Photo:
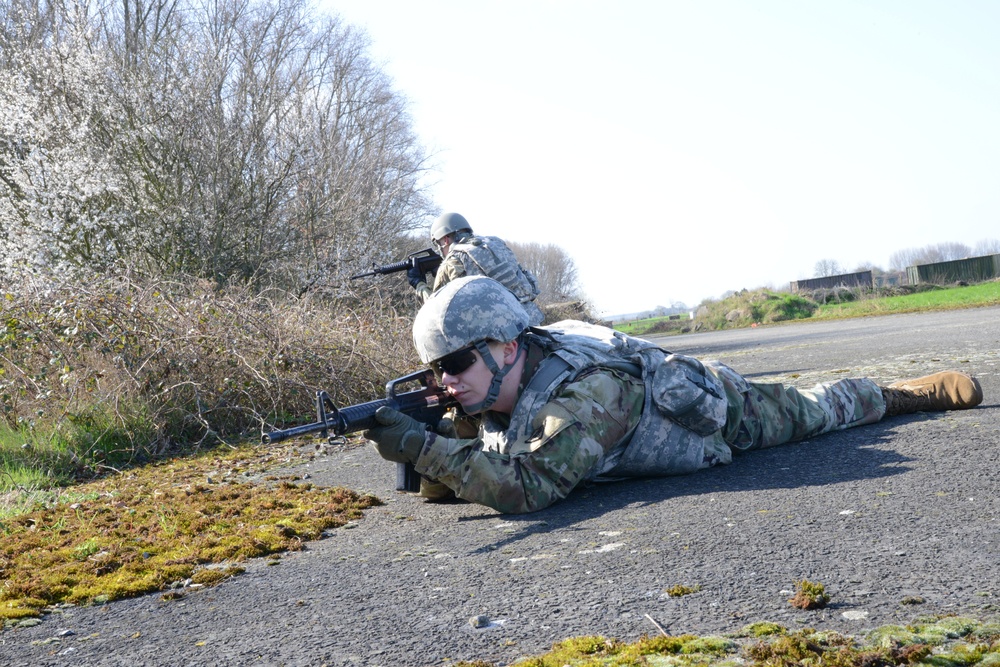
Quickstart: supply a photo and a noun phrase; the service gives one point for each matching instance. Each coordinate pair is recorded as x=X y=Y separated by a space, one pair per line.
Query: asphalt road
x=897 y=520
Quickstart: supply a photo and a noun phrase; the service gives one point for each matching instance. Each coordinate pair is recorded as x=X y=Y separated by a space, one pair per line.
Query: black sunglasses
x=457 y=362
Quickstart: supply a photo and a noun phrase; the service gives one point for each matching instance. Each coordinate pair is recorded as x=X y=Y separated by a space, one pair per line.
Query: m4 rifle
x=425 y=261
x=427 y=403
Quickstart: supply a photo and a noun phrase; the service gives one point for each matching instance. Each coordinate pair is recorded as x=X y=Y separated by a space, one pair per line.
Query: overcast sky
x=680 y=149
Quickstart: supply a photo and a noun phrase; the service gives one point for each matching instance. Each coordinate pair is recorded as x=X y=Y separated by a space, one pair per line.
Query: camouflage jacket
x=598 y=405
x=489 y=256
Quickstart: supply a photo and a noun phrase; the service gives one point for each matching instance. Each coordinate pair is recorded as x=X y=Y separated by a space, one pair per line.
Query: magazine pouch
x=688 y=394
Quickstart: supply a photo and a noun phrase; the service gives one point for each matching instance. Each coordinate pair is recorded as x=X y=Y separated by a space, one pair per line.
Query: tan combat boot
x=947 y=390
x=435 y=492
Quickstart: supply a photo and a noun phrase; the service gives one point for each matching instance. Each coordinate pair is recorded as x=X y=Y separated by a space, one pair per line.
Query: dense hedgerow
x=119 y=370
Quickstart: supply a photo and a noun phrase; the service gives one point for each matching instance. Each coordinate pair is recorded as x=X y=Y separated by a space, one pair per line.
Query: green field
x=762 y=307
x=973 y=296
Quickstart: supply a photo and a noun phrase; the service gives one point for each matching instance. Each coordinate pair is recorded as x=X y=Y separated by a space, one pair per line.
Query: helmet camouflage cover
x=463 y=312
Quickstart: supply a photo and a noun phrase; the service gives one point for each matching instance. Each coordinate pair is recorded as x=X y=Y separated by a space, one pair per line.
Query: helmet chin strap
x=498 y=375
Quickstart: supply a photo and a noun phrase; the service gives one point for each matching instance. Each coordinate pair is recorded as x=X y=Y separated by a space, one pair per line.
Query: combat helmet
x=449 y=223
x=467 y=313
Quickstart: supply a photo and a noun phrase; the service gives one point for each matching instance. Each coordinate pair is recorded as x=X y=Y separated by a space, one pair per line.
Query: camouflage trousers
x=763 y=415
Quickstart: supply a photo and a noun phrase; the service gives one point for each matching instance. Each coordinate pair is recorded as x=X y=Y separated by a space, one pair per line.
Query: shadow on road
x=826 y=460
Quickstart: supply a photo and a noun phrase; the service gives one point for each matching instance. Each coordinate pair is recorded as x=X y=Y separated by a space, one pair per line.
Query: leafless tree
x=941 y=252
x=827 y=267
x=554 y=268
x=987 y=247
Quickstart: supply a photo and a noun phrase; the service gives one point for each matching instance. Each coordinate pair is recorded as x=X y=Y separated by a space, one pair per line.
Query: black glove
x=415 y=276
x=397 y=437
x=446 y=427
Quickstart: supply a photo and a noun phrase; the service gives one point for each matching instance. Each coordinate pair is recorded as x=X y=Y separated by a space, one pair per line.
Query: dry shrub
x=568 y=310
x=143 y=367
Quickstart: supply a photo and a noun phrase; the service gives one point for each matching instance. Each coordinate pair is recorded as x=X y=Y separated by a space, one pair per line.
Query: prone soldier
x=572 y=403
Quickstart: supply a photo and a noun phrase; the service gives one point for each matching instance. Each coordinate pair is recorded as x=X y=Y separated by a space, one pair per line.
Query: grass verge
x=951 y=298
x=934 y=642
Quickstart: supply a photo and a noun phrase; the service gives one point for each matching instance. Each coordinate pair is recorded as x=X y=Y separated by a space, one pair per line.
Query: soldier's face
x=470 y=386
x=444 y=245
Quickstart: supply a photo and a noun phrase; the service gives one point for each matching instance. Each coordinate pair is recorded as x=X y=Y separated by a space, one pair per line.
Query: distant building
x=861 y=279
x=969 y=270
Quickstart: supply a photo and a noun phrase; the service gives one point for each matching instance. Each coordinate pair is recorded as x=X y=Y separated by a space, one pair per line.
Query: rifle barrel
x=385 y=269
x=295 y=431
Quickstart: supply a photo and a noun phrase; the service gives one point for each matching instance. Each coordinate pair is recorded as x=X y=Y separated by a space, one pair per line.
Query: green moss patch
x=147 y=529
x=809 y=595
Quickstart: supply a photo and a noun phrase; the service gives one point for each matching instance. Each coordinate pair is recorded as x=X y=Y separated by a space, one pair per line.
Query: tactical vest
x=682 y=416
x=490 y=256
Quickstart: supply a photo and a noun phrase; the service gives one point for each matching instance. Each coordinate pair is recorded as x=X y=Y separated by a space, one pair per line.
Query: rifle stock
x=428 y=404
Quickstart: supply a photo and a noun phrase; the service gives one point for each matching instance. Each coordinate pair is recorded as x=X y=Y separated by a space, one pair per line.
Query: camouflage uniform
x=597 y=405
x=472 y=255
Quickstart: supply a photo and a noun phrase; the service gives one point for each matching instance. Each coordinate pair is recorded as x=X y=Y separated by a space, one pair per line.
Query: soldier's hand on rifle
x=446 y=427
x=397 y=437
x=415 y=276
